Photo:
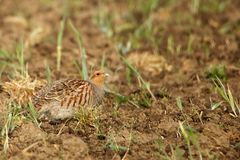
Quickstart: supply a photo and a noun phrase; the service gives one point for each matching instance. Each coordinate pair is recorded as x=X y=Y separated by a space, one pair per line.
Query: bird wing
x=56 y=90
x=69 y=92
x=79 y=95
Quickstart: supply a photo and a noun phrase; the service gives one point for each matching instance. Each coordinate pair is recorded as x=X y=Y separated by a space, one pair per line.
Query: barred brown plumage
x=62 y=98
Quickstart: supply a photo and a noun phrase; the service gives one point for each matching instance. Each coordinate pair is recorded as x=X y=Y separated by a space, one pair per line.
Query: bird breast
x=98 y=94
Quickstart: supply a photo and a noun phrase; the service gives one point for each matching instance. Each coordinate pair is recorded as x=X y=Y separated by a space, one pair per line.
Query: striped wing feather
x=69 y=92
x=80 y=95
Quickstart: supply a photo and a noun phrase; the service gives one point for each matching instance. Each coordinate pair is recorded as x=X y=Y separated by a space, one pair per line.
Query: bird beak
x=106 y=75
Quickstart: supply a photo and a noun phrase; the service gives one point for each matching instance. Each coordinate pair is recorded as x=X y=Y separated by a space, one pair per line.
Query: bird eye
x=98 y=74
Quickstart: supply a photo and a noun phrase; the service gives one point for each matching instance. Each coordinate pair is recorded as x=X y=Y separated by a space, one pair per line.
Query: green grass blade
x=138 y=75
x=187 y=139
x=215 y=105
x=33 y=115
x=9 y=126
x=82 y=50
x=78 y=66
x=48 y=73
x=226 y=94
x=179 y=103
x=231 y=101
x=21 y=60
x=103 y=62
x=59 y=44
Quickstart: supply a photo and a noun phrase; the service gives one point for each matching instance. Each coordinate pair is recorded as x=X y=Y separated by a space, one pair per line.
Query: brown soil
x=218 y=133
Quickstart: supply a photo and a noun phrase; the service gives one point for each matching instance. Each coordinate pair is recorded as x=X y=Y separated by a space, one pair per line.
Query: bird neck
x=99 y=82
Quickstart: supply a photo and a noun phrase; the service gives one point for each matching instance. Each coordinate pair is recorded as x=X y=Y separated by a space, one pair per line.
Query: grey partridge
x=61 y=99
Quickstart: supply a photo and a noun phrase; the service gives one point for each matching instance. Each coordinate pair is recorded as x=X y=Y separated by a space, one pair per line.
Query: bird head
x=98 y=77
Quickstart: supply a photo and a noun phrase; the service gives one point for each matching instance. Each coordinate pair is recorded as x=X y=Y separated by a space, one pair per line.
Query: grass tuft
x=142 y=83
x=86 y=116
x=32 y=113
x=227 y=95
x=176 y=152
x=10 y=124
x=141 y=99
x=216 y=71
x=190 y=136
x=22 y=90
x=21 y=60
